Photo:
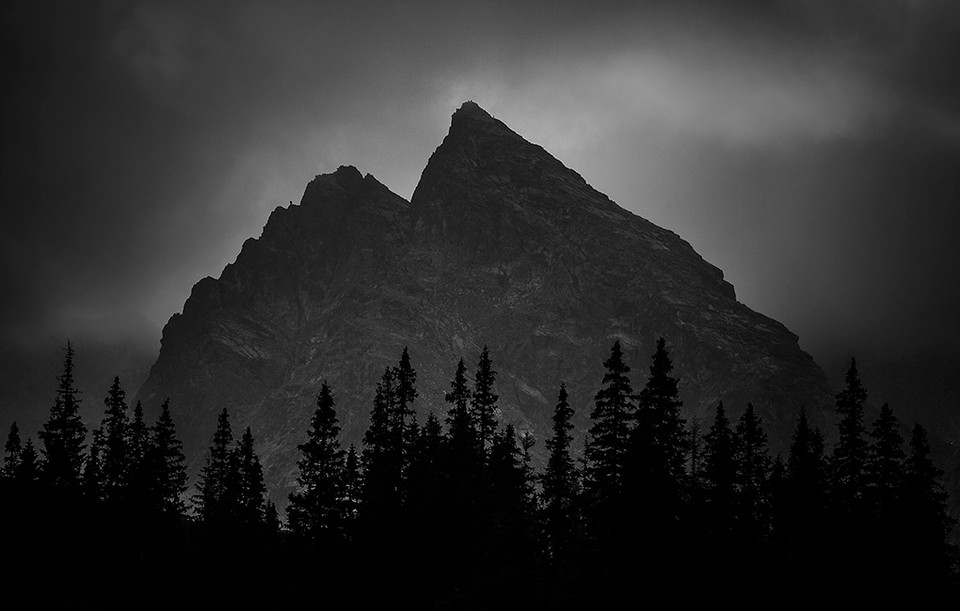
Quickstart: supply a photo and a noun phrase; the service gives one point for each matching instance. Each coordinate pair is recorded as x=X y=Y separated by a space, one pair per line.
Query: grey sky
x=809 y=149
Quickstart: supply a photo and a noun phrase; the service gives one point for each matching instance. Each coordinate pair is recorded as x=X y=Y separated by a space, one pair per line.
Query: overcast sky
x=811 y=150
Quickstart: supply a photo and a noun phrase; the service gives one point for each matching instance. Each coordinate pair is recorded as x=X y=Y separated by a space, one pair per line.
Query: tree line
x=451 y=513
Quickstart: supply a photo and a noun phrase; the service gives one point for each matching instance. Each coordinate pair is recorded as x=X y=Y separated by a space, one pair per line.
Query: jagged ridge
x=501 y=244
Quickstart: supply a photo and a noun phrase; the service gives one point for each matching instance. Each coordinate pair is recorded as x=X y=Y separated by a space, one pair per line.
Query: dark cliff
x=500 y=245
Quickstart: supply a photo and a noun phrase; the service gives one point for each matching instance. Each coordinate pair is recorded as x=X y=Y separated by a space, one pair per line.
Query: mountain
x=500 y=245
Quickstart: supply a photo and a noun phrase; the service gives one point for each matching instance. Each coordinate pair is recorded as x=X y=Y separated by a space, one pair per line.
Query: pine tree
x=247 y=477
x=271 y=519
x=405 y=418
x=64 y=433
x=29 y=470
x=695 y=451
x=464 y=442
x=753 y=472
x=925 y=551
x=559 y=479
x=167 y=474
x=660 y=397
x=512 y=544
x=13 y=451
x=849 y=461
x=352 y=489
x=115 y=456
x=886 y=466
x=719 y=471
x=316 y=510
x=804 y=496
x=609 y=434
x=212 y=501
x=93 y=476
x=483 y=403
x=383 y=479
x=427 y=471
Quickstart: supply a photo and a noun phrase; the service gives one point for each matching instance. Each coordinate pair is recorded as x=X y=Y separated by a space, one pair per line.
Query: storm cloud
x=809 y=149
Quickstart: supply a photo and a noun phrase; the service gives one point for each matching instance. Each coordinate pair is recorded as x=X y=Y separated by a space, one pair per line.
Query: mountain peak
x=471 y=110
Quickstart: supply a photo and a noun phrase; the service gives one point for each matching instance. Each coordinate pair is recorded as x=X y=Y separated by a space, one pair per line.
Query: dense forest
x=450 y=513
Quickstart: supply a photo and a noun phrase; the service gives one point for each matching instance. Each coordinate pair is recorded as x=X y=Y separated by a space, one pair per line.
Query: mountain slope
x=500 y=245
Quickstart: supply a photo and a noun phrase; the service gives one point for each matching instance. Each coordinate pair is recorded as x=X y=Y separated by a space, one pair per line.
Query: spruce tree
x=511 y=547
x=660 y=397
x=925 y=551
x=13 y=450
x=249 y=495
x=316 y=510
x=695 y=451
x=271 y=519
x=609 y=434
x=886 y=467
x=29 y=470
x=211 y=500
x=167 y=474
x=753 y=471
x=115 y=456
x=383 y=478
x=804 y=497
x=483 y=403
x=720 y=471
x=405 y=418
x=849 y=460
x=93 y=475
x=64 y=433
x=464 y=442
x=559 y=478
x=352 y=489
x=427 y=471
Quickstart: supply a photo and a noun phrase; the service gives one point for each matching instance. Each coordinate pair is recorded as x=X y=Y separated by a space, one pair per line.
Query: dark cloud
x=809 y=148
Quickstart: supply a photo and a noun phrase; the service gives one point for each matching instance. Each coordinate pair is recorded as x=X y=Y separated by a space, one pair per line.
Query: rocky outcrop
x=500 y=245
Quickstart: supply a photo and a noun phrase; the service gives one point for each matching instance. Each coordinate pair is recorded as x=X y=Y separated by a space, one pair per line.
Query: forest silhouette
x=451 y=513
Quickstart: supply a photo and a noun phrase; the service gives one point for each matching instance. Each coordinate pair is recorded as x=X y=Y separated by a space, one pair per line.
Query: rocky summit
x=502 y=245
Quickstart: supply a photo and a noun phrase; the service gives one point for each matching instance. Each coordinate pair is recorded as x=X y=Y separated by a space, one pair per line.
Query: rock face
x=500 y=245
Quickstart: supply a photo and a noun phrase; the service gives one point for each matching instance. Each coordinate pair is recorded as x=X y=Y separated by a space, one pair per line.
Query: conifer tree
x=753 y=471
x=250 y=492
x=513 y=540
x=211 y=500
x=464 y=439
x=427 y=470
x=886 y=470
x=167 y=474
x=382 y=479
x=29 y=469
x=316 y=510
x=849 y=460
x=93 y=476
x=272 y=518
x=405 y=418
x=720 y=471
x=804 y=497
x=660 y=398
x=352 y=489
x=13 y=451
x=926 y=553
x=695 y=450
x=609 y=434
x=559 y=478
x=64 y=433
x=115 y=456
x=483 y=403
x=139 y=439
